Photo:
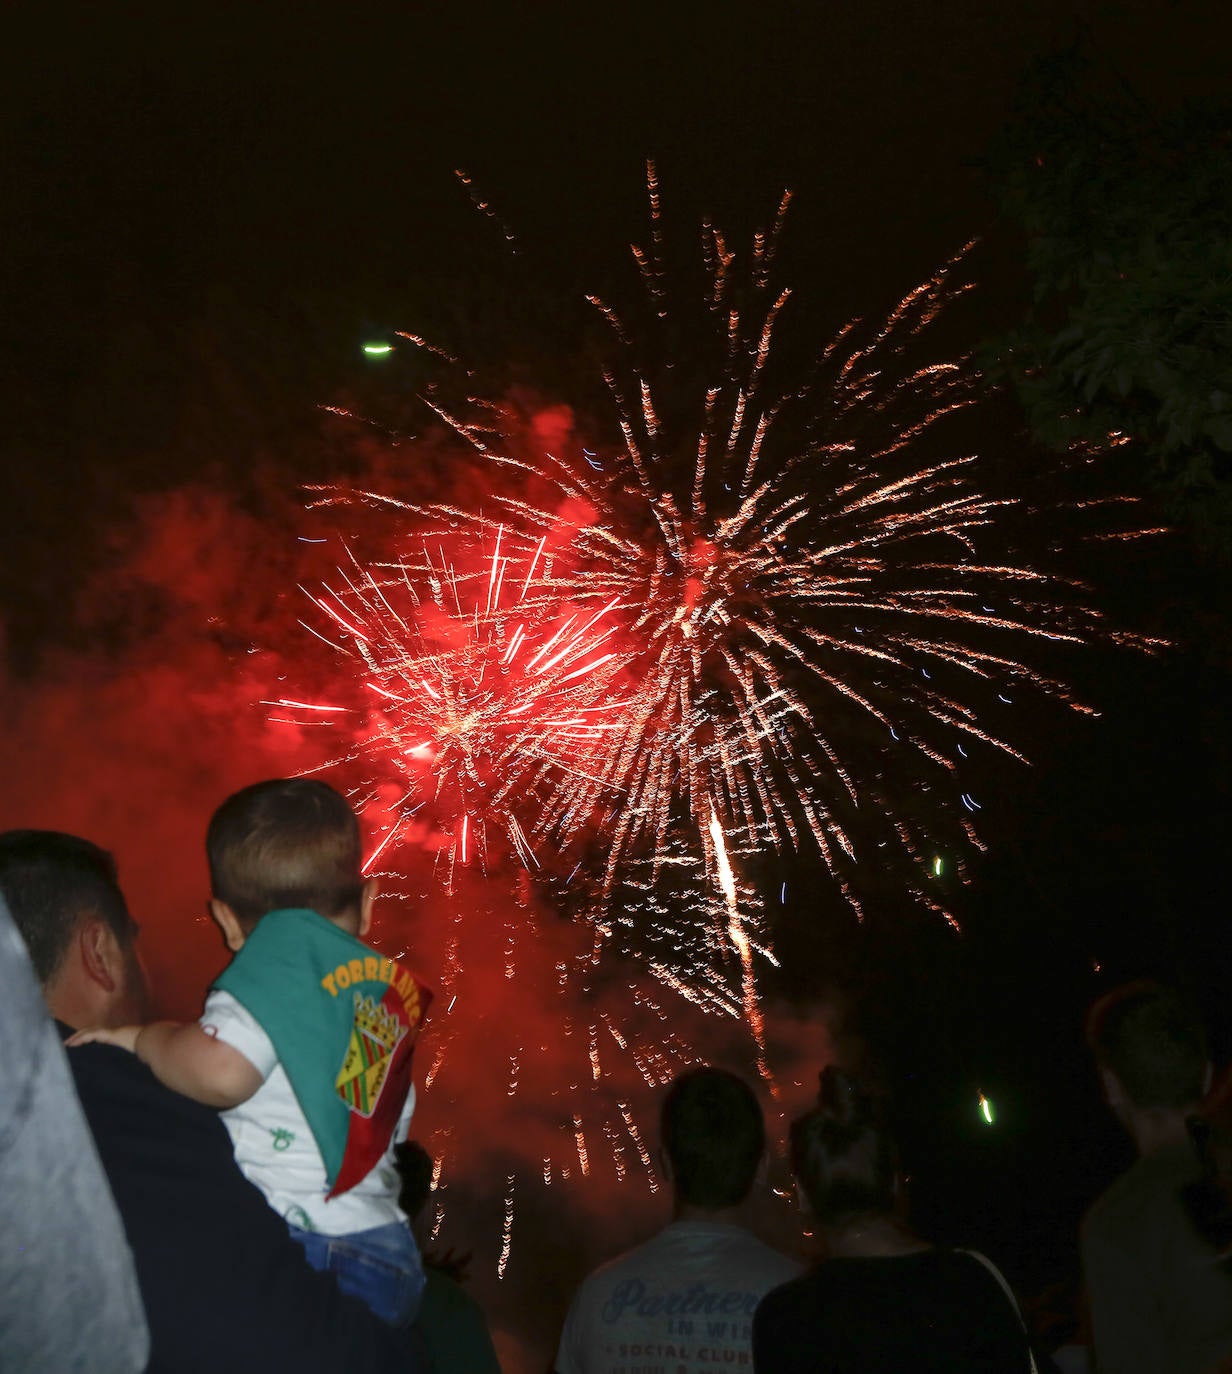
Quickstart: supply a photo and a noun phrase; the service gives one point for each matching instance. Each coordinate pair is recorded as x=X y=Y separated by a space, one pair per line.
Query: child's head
x=291 y=842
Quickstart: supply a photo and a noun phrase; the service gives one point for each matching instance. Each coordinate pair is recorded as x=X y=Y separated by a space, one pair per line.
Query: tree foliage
x=1128 y=220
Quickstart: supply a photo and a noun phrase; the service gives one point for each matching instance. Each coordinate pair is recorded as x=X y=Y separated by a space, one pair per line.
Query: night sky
x=202 y=220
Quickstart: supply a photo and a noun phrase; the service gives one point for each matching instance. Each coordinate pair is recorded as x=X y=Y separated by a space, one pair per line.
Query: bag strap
x=1009 y=1293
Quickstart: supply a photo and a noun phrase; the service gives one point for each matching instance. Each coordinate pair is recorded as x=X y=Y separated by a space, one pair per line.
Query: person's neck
x=1155 y=1129
x=871 y=1235
x=716 y=1216
x=75 y=1005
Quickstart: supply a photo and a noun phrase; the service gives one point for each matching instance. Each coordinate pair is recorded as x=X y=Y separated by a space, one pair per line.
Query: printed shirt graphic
x=682 y=1303
x=343 y=1021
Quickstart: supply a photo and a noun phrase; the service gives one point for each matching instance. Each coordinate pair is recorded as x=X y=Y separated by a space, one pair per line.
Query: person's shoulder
x=1119 y=1208
x=971 y=1268
x=443 y=1291
x=1104 y=1210
x=807 y=1286
x=633 y=1258
x=727 y=1249
x=1143 y=1204
x=760 y=1258
x=604 y=1278
x=799 y=1300
x=121 y=1097
x=453 y=1324
x=107 y=1068
x=747 y=1241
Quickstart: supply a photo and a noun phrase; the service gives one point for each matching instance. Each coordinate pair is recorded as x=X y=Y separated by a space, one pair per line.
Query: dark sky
x=200 y=216
x=178 y=185
x=157 y=167
x=204 y=208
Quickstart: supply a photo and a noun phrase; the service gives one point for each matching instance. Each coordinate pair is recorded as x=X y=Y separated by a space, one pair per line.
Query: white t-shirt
x=682 y=1303
x=274 y=1145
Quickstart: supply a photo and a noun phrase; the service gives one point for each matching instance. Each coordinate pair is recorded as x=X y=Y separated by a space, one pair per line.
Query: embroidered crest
x=375 y=1033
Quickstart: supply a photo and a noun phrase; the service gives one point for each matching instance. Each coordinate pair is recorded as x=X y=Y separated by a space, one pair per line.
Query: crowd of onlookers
x=238 y=1194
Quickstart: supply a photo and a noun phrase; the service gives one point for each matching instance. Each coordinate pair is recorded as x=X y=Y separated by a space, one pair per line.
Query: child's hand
x=123 y=1036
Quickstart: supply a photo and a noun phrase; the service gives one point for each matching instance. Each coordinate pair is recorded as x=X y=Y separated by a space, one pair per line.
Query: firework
x=824 y=624
x=779 y=612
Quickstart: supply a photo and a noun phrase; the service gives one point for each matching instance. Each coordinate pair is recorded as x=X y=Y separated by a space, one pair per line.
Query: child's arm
x=185 y=1058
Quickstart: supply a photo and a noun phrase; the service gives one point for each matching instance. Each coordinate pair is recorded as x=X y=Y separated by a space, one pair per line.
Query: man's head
x=1150 y=1049
x=291 y=842
x=713 y=1137
x=67 y=904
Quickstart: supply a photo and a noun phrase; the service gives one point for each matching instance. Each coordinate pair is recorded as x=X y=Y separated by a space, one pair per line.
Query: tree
x=1128 y=220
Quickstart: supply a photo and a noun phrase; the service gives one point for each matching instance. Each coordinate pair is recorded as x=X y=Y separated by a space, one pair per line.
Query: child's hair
x=290 y=842
x=842 y=1153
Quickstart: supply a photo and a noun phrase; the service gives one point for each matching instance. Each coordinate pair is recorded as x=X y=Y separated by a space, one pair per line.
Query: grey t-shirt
x=1160 y=1298
x=682 y=1303
x=68 y=1293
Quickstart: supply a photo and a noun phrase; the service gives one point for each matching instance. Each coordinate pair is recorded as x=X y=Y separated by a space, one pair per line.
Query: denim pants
x=381 y=1266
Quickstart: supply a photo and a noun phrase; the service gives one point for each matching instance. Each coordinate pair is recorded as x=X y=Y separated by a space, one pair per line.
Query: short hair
x=289 y=842
x=842 y=1152
x=714 y=1136
x=52 y=882
x=1150 y=1037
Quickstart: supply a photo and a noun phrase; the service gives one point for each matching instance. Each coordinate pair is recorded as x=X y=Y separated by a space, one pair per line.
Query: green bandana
x=343 y=1020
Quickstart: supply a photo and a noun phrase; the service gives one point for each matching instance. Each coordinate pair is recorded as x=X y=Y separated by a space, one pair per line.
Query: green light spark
x=986 y=1110
x=938 y=867
x=378 y=350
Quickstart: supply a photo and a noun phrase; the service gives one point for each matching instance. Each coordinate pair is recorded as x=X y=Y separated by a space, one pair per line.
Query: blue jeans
x=381 y=1266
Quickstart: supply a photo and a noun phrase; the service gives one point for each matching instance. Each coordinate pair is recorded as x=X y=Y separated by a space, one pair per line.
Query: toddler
x=306 y=1037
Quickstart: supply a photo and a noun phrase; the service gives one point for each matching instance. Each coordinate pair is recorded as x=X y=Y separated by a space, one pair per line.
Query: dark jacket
x=225 y=1287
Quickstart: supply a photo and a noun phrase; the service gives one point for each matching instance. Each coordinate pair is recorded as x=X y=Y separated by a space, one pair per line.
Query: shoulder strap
x=1009 y=1293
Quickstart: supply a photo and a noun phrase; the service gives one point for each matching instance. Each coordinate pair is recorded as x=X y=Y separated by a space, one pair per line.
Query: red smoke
x=132 y=737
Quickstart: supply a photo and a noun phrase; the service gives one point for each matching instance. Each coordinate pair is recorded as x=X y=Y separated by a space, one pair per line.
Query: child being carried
x=306 y=1037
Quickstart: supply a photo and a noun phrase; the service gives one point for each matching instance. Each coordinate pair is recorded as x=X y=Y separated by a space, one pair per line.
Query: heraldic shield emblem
x=375 y=1033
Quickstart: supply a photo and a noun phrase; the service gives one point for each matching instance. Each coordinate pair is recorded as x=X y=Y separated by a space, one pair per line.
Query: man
x=224 y=1285
x=684 y=1300
x=1160 y=1299
x=64 y=1249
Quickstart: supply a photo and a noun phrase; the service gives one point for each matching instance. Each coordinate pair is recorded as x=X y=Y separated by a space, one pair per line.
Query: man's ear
x=229 y=923
x=101 y=956
x=665 y=1166
x=366 y=897
x=1114 y=1089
